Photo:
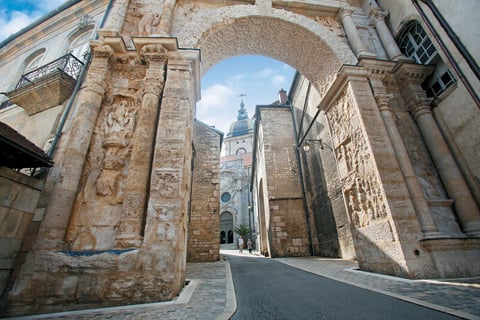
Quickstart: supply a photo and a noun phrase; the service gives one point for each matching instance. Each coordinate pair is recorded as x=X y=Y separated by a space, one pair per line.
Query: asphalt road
x=268 y=289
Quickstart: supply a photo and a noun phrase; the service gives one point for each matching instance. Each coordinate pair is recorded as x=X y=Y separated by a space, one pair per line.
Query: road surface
x=268 y=289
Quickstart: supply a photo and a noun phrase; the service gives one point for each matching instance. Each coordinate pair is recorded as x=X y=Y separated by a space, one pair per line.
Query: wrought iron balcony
x=47 y=86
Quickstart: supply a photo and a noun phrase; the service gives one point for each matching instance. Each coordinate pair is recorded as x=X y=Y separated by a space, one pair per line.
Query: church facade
x=386 y=101
x=235 y=176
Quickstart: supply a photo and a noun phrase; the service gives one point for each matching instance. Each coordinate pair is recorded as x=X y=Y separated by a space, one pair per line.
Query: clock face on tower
x=225 y=197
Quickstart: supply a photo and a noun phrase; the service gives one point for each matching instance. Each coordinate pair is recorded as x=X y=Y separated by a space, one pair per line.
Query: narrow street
x=268 y=289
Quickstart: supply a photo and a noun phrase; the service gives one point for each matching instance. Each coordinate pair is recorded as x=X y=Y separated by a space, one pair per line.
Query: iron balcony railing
x=6 y=104
x=67 y=64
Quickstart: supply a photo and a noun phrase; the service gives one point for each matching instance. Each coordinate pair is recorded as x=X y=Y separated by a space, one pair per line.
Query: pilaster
x=376 y=196
x=170 y=180
x=129 y=232
x=412 y=75
x=378 y=71
x=57 y=215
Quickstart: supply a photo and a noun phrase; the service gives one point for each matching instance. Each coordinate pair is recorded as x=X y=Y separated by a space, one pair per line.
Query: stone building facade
x=236 y=168
x=277 y=185
x=400 y=116
x=204 y=222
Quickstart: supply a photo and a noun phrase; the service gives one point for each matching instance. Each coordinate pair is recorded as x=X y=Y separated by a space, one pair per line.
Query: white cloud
x=279 y=80
x=235 y=82
x=215 y=106
x=15 y=21
x=263 y=74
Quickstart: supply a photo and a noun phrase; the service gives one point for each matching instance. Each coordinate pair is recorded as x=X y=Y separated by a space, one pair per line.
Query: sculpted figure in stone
x=117 y=130
x=148 y=24
x=149 y=21
x=167 y=184
x=358 y=204
x=328 y=22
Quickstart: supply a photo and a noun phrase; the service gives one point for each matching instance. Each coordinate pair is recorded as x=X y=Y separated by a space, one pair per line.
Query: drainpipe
x=78 y=84
x=457 y=43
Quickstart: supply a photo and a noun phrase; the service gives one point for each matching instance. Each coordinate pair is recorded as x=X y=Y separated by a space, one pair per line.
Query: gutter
x=39 y=21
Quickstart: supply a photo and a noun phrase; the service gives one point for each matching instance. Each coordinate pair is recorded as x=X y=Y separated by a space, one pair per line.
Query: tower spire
x=242 y=112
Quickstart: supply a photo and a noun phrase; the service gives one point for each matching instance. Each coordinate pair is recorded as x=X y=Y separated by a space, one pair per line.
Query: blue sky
x=259 y=78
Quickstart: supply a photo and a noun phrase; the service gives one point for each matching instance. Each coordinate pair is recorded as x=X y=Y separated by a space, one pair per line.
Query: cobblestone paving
x=208 y=300
x=210 y=294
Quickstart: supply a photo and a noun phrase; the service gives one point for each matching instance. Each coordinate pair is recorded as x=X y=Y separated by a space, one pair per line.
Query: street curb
x=230 y=297
x=425 y=304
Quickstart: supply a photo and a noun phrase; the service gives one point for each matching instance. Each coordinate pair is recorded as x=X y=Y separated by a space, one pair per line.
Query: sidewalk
x=210 y=293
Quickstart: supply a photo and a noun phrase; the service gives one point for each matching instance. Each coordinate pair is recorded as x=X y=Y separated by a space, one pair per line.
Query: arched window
x=79 y=45
x=33 y=61
x=241 y=151
x=415 y=43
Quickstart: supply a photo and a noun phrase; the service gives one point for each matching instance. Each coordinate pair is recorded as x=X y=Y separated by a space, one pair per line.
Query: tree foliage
x=242 y=230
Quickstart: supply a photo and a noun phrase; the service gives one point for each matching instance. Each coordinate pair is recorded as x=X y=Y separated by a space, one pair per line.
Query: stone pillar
x=353 y=36
x=377 y=16
x=113 y=25
x=59 y=207
x=410 y=77
x=427 y=223
x=135 y=190
x=467 y=211
x=384 y=224
x=170 y=183
x=165 y=25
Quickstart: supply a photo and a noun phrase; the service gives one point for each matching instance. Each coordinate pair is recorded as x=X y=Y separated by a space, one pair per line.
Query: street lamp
x=307 y=144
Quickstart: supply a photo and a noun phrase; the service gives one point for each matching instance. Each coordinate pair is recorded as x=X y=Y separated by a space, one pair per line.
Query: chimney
x=282 y=96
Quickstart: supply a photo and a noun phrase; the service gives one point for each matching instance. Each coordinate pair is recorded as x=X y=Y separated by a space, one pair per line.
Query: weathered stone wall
x=322 y=184
x=121 y=201
x=287 y=228
x=19 y=195
x=261 y=209
x=204 y=222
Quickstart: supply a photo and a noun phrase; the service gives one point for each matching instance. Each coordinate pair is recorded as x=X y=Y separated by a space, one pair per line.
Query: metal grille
x=67 y=64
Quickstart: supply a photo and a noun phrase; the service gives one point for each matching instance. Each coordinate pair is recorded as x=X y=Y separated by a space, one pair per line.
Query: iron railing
x=67 y=64
x=5 y=104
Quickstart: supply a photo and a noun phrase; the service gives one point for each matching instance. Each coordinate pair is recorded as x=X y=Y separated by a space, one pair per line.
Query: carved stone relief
x=166 y=183
x=330 y=22
x=117 y=127
x=143 y=18
x=230 y=32
x=356 y=166
x=98 y=207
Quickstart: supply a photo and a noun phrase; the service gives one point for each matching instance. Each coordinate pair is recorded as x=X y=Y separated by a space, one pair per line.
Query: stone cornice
x=345 y=74
x=412 y=72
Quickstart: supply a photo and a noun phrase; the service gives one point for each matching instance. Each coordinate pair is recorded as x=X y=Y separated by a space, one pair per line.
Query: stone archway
x=147 y=202
x=307 y=46
x=226 y=226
